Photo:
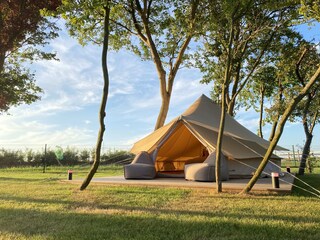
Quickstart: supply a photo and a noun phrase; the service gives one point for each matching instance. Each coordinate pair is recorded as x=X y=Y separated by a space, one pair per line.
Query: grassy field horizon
x=36 y=205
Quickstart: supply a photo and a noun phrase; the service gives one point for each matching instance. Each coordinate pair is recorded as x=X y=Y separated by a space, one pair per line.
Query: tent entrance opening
x=181 y=148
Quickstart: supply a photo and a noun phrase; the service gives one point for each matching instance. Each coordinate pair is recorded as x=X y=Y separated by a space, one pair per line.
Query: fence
x=292 y=159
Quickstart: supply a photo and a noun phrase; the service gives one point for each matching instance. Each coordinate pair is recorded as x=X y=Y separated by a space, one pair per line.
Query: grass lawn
x=36 y=205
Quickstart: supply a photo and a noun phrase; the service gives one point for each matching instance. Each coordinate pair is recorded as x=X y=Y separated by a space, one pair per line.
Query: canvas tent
x=190 y=138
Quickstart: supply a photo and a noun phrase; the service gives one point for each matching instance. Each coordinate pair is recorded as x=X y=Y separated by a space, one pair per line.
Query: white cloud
x=67 y=113
x=250 y=123
x=33 y=133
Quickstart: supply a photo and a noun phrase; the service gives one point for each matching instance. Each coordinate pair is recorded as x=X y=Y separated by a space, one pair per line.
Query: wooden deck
x=263 y=184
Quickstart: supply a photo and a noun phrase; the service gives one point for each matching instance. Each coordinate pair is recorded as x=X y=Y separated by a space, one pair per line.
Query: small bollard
x=288 y=169
x=275 y=180
x=69 y=174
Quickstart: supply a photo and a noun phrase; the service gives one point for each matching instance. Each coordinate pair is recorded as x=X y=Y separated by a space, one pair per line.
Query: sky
x=67 y=114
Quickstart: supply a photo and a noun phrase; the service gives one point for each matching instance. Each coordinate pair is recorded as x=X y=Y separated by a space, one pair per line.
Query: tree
x=309 y=117
x=300 y=94
x=22 y=29
x=308 y=109
x=258 y=28
x=177 y=29
x=160 y=31
x=78 y=14
x=272 y=81
x=102 y=112
x=238 y=35
x=256 y=92
x=159 y=26
x=291 y=71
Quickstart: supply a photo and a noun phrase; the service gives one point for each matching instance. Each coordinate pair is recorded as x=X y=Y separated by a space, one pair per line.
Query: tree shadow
x=21 y=180
x=166 y=225
x=35 y=200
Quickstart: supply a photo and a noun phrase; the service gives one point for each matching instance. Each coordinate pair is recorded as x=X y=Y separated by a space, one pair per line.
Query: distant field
x=36 y=205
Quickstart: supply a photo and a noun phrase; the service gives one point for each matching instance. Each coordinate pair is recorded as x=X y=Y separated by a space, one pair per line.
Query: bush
x=11 y=158
x=84 y=155
x=117 y=157
x=312 y=162
x=71 y=156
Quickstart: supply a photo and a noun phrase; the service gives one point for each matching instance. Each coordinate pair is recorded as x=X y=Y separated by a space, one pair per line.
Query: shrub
x=312 y=162
x=11 y=158
x=117 y=157
x=71 y=156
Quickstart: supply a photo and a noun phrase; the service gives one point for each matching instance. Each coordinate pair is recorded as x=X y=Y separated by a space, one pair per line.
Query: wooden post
x=294 y=155
x=45 y=158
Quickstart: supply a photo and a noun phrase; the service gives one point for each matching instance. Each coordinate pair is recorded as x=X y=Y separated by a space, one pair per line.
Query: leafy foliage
x=310 y=9
x=71 y=156
x=255 y=28
x=154 y=30
x=168 y=22
x=22 y=29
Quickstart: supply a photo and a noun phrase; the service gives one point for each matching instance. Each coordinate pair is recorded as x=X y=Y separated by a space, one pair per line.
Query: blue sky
x=67 y=115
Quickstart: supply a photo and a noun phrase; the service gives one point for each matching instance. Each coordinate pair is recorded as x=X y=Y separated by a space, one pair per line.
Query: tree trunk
x=102 y=112
x=165 y=84
x=284 y=118
x=231 y=101
x=220 y=140
x=163 y=110
x=275 y=122
x=260 y=134
x=274 y=127
x=305 y=153
x=2 y=57
x=308 y=132
x=223 y=110
x=230 y=107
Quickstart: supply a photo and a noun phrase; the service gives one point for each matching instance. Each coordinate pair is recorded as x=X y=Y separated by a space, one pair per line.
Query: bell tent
x=190 y=138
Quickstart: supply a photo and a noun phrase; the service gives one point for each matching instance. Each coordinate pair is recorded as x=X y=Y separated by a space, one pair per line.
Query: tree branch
x=257 y=62
x=297 y=70
x=314 y=121
x=149 y=9
x=136 y=24
x=184 y=46
x=125 y=27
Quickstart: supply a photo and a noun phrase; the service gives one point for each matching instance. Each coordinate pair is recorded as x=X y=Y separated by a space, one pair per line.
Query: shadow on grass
x=244 y=213
x=312 y=179
x=35 y=200
x=211 y=214
x=71 y=225
x=20 y=180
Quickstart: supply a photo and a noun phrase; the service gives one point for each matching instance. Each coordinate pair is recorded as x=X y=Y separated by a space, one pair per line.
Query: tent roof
x=148 y=142
x=202 y=118
x=206 y=113
x=235 y=148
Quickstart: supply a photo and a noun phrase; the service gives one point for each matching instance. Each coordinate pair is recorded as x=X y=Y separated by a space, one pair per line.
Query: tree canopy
x=159 y=31
x=22 y=30
x=257 y=30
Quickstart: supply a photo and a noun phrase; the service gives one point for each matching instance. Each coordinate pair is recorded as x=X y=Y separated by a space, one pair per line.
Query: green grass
x=313 y=179
x=36 y=205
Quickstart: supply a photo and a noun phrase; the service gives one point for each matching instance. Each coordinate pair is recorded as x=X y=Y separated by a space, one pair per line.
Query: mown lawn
x=36 y=205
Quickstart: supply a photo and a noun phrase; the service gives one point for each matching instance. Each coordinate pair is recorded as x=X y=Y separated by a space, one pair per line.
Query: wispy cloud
x=67 y=113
